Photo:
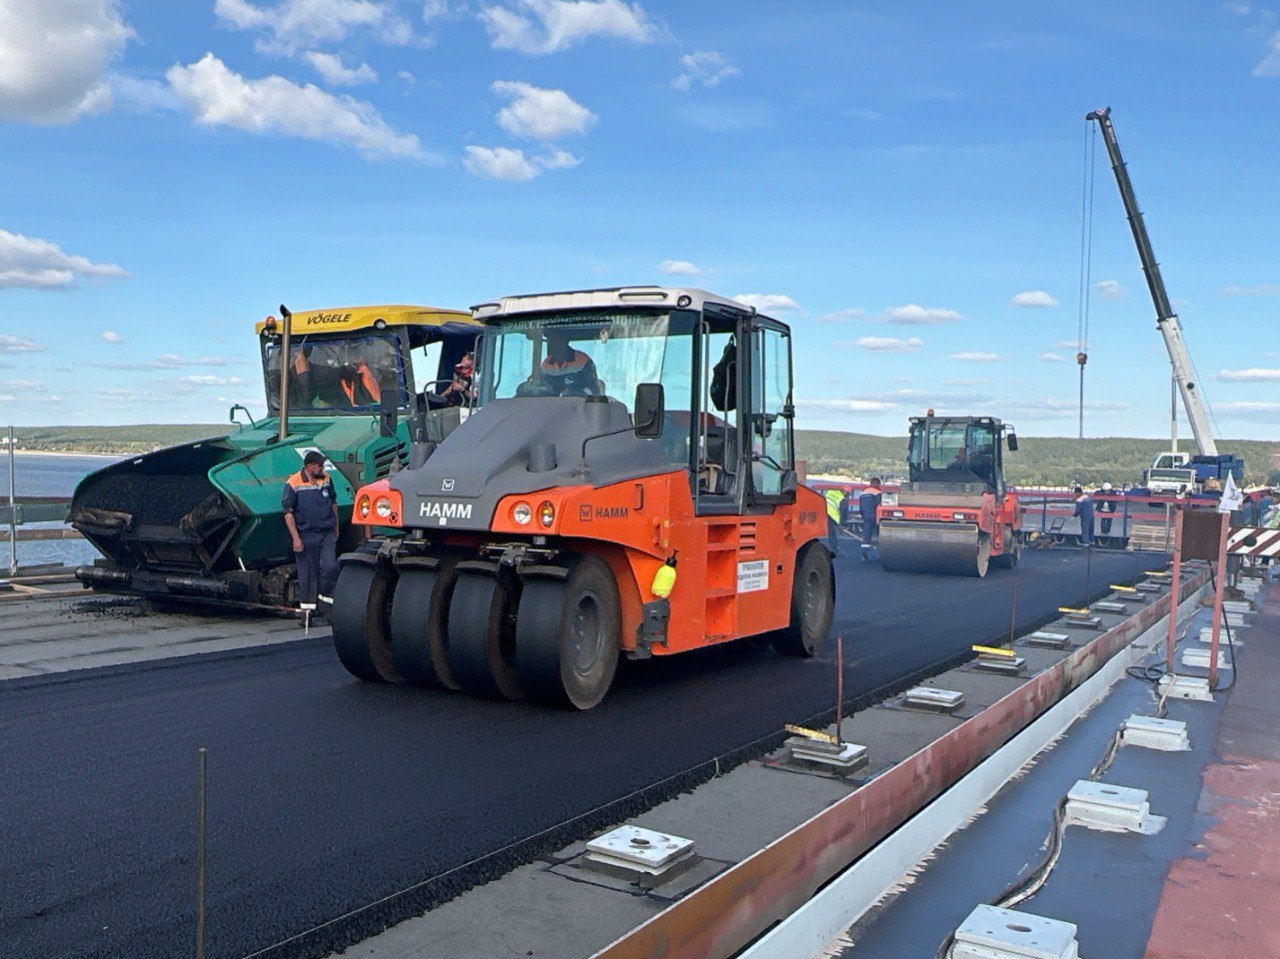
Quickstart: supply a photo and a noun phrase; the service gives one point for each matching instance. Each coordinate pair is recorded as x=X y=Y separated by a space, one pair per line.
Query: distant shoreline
x=19 y=451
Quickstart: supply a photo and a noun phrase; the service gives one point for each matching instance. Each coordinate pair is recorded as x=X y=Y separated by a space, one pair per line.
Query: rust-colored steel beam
x=726 y=914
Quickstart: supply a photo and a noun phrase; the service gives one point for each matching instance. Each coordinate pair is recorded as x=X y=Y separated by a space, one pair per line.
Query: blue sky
x=900 y=182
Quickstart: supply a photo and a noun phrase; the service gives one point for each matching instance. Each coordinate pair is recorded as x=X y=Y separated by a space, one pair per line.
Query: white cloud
x=1250 y=410
x=22 y=386
x=557 y=160
x=499 y=163
x=1033 y=299
x=35 y=264
x=915 y=315
x=120 y=394
x=1053 y=357
x=849 y=406
x=679 y=268
x=1269 y=66
x=434 y=9
x=889 y=344
x=54 y=57
x=843 y=316
x=17 y=344
x=293 y=24
x=549 y=26
x=1072 y=345
x=728 y=117
x=538 y=114
x=167 y=361
x=929 y=398
x=768 y=302
x=975 y=357
x=217 y=96
x=1262 y=289
x=1058 y=409
x=708 y=68
x=208 y=379
x=111 y=336
x=1254 y=375
x=338 y=74
x=141 y=95
x=406 y=76
x=1109 y=289
x=1239 y=9
x=504 y=163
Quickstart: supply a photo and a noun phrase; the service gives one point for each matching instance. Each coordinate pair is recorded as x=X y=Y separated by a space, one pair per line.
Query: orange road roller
x=954 y=515
x=623 y=484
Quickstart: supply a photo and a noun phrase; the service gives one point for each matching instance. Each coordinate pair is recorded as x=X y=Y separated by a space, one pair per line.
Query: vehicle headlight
x=957 y=516
x=382 y=506
x=522 y=513
x=363 y=507
x=898 y=514
x=546 y=514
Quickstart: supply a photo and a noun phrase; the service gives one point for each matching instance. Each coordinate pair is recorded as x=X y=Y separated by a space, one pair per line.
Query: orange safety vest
x=366 y=380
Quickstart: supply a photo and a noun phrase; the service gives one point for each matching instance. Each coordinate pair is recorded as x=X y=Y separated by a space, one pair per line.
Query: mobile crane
x=1209 y=468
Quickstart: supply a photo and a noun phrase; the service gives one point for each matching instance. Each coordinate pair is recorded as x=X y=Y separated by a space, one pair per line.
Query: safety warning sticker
x=753 y=576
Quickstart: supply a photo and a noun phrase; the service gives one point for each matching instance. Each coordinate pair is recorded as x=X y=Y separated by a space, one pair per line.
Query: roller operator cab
x=954 y=515
x=625 y=486
x=204 y=522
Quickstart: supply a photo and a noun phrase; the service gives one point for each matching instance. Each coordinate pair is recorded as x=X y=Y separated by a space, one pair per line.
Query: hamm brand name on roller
x=434 y=509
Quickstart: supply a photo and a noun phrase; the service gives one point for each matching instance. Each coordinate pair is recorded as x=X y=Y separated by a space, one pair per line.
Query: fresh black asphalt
x=327 y=794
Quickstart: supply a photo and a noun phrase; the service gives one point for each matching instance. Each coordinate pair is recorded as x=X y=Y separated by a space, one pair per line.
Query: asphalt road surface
x=327 y=794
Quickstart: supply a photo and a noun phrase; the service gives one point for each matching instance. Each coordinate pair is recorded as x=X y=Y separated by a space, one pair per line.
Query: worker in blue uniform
x=868 y=507
x=1084 y=510
x=311 y=515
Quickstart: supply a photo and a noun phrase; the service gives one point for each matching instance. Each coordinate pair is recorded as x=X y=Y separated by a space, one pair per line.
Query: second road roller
x=955 y=515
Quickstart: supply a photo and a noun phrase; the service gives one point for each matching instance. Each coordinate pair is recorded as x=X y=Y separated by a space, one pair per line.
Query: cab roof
x=621 y=297
x=944 y=418
x=346 y=319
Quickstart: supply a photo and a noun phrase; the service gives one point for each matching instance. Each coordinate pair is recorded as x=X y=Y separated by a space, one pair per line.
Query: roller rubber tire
x=481 y=647
x=1010 y=558
x=567 y=636
x=812 y=605
x=419 y=623
x=360 y=620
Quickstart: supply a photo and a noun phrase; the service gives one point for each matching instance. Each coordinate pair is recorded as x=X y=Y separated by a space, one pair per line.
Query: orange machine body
x=999 y=518
x=734 y=573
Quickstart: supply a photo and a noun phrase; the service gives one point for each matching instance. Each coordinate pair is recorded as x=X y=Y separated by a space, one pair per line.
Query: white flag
x=1231 y=496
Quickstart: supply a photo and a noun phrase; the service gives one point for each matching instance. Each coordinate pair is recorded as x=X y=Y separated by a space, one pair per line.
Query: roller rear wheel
x=567 y=636
x=361 y=622
x=481 y=637
x=419 y=626
x=813 y=604
x=1012 y=554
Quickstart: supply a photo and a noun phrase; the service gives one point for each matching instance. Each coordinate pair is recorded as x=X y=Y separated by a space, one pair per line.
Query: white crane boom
x=1166 y=320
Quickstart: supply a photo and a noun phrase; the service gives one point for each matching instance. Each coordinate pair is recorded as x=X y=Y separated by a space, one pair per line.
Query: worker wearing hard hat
x=1107 y=507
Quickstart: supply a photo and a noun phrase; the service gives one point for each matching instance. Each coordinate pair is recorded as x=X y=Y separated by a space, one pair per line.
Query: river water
x=44 y=474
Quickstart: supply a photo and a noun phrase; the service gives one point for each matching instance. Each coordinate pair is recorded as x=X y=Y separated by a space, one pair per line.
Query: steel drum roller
x=952 y=549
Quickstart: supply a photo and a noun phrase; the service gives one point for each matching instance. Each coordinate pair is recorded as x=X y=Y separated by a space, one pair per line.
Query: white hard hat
x=1106 y=486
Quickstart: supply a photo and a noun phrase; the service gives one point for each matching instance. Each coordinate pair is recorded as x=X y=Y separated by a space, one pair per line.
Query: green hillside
x=1052 y=461
x=1040 y=460
x=112 y=439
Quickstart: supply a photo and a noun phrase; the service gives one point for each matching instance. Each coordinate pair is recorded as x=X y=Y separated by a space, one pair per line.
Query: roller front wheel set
x=553 y=639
